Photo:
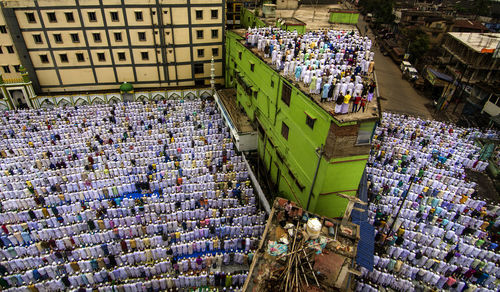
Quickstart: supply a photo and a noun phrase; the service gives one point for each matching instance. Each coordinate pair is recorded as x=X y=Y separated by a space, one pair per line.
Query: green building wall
x=248 y=19
x=347 y=18
x=301 y=29
x=291 y=164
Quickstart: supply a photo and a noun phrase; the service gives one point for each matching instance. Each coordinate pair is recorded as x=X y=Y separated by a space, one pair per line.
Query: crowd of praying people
x=126 y=197
x=435 y=232
x=335 y=65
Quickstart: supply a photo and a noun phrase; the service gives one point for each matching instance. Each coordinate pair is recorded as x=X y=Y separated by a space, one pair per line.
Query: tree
x=481 y=8
x=418 y=43
x=381 y=9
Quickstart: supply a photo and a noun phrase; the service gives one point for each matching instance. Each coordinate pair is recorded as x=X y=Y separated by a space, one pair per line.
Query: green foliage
x=479 y=8
x=418 y=43
x=381 y=9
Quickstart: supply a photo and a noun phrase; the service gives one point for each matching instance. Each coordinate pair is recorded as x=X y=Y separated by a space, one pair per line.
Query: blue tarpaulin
x=440 y=75
x=366 y=243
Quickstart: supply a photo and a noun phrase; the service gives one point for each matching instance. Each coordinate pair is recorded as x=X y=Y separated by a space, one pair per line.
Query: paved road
x=397 y=94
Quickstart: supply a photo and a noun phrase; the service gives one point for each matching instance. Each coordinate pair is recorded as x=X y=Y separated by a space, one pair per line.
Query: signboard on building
x=431 y=77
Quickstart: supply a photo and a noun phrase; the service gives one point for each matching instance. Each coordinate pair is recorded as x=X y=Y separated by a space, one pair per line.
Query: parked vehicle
x=410 y=74
x=404 y=65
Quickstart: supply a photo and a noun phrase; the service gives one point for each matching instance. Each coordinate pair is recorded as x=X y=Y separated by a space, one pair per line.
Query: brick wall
x=341 y=142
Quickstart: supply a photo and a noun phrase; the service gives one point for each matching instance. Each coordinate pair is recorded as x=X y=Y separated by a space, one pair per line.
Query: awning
x=440 y=75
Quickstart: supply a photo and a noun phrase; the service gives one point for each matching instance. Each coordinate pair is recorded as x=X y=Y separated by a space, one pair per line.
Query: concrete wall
x=291 y=163
x=248 y=19
x=85 y=45
x=287 y=4
x=48 y=101
x=348 y=18
x=8 y=59
x=301 y=29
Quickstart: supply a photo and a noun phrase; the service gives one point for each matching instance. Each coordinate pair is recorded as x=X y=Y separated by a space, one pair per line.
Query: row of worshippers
x=443 y=236
x=138 y=280
x=330 y=63
x=146 y=183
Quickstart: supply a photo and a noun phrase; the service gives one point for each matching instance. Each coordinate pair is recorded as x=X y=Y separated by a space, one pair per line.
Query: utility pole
x=412 y=180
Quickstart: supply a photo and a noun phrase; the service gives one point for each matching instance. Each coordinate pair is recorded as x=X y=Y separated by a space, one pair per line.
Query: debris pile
x=301 y=251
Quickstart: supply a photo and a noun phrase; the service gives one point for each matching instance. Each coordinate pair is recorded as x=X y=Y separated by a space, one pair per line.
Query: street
x=396 y=94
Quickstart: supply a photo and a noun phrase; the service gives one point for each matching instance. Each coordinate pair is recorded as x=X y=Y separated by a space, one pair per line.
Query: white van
x=404 y=65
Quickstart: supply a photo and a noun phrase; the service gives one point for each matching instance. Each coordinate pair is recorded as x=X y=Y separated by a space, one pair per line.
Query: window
x=272 y=83
x=255 y=94
x=142 y=36
x=310 y=121
x=52 y=16
x=284 y=130
x=365 y=133
x=199 y=14
x=138 y=16
x=121 y=56
x=69 y=16
x=10 y=49
x=215 y=14
x=145 y=55
x=1 y=51
x=6 y=69
x=58 y=38
x=3 y=29
x=215 y=52
x=118 y=36
x=286 y=93
x=252 y=67
x=199 y=34
x=215 y=33
x=201 y=52
x=79 y=57
x=16 y=68
x=198 y=69
x=37 y=38
x=114 y=16
x=101 y=57
x=239 y=55
x=75 y=38
x=31 y=17
x=44 y=58
x=64 y=58
x=97 y=37
x=92 y=16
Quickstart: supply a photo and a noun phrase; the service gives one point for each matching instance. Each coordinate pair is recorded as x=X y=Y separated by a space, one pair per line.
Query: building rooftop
x=371 y=111
x=314 y=16
x=479 y=42
x=321 y=264
x=241 y=121
x=471 y=24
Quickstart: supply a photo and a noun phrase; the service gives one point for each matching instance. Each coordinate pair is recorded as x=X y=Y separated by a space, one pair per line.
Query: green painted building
x=249 y=19
x=308 y=153
x=343 y=16
x=291 y=24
